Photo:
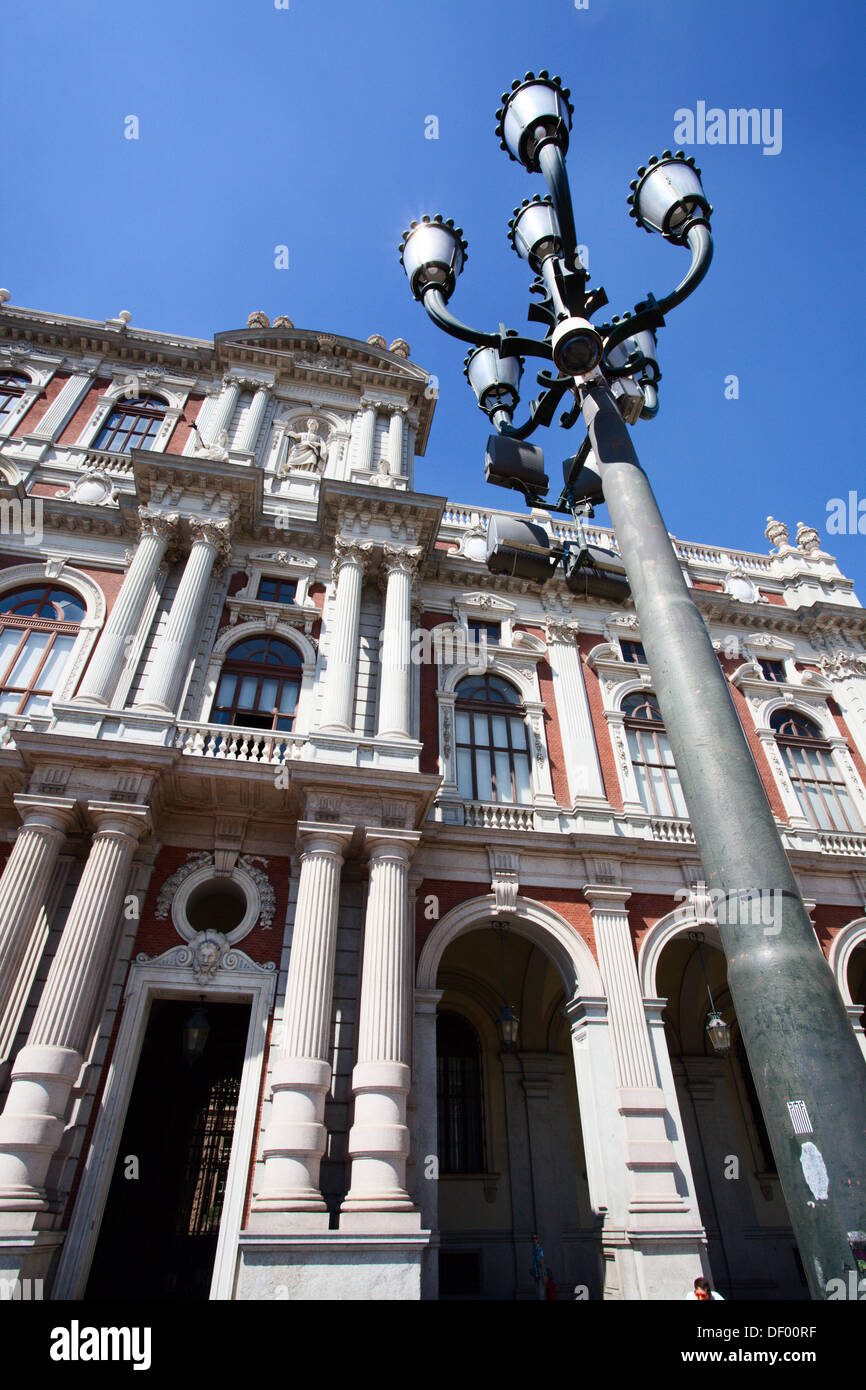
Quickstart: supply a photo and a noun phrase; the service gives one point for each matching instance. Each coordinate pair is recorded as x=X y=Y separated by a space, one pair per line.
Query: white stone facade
x=323 y=853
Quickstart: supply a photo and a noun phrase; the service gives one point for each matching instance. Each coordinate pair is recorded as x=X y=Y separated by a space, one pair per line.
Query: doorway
x=161 y=1223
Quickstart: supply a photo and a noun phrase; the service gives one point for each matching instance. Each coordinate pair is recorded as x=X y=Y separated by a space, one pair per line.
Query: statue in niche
x=217 y=449
x=308 y=453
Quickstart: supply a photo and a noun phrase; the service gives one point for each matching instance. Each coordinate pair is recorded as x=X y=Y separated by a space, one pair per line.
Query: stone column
x=395 y=442
x=210 y=541
x=44 y=1072
x=25 y=879
x=246 y=442
x=295 y=1140
x=629 y=1033
x=350 y=559
x=578 y=735
x=366 y=435
x=649 y=1154
x=226 y=405
x=379 y=1137
x=395 y=683
x=106 y=663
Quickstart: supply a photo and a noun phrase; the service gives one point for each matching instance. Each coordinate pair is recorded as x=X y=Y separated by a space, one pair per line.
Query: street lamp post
x=807 y=1066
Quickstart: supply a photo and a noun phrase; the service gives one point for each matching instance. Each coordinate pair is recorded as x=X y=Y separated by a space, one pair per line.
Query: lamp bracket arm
x=439 y=312
x=700 y=242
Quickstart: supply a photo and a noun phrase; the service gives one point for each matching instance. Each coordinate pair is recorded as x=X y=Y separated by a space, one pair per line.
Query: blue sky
x=305 y=127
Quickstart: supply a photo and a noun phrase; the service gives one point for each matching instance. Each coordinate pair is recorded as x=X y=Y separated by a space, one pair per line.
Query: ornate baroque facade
x=297 y=801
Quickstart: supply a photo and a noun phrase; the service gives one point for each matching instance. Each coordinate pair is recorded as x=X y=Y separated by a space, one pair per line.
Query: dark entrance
x=159 y=1232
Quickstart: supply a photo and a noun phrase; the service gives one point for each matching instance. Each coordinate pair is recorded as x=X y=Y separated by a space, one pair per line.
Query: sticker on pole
x=799 y=1117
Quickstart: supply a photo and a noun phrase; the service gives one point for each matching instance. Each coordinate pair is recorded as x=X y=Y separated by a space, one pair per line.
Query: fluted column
x=366 y=436
x=227 y=404
x=350 y=559
x=295 y=1140
x=395 y=442
x=246 y=441
x=210 y=541
x=379 y=1137
x=629 y=1032
x=25 y=879
x=395 y=683
x=106 y=663
x=44 y=1071
x=578 y=736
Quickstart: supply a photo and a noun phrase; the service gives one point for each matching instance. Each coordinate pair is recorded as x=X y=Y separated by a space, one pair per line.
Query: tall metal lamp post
x=802 y=1050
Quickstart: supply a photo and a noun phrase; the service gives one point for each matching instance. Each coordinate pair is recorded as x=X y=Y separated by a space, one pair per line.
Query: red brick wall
x=606 y=756
x=156 y=935
x=183 y=428
x=728 y=665
x=568 y=902
x=777 y=599
x=83 y=413
x=830 y=919
x=848 y=737
x=28 y=422
x=644 y=910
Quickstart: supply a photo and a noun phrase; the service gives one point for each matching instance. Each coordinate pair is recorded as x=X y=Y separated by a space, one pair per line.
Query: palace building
x=353 y=941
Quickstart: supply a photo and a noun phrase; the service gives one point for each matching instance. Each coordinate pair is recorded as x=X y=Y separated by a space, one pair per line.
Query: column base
x=387 y=1219
x=27 y=1263
x=285 y=1219
x=380 y=1267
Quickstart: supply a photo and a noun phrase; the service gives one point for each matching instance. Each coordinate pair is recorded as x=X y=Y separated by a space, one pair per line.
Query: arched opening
x=816 y=777
x=39 y=625
x=752 y=1249
x=510 y=1145
x=259 y=685
x=857 y=980
x=492 y=741
x=652 y=759
x=132 y=424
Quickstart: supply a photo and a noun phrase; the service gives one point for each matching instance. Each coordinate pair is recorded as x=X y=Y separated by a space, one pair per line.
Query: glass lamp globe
x=433 y=253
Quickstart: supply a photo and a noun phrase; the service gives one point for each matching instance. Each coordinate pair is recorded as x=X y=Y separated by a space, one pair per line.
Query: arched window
x=657 y=779
x=820 y=786
x=12 y=388
x=461 y=1115
x=493 y=761
x=38 y=628
x=131 y=425
x=259 y=685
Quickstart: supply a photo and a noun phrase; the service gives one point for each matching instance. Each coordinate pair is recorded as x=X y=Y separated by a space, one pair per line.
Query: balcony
x=238 y=745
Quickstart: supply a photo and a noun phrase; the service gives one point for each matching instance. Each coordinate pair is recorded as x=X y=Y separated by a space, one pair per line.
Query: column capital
x=562 y=630
x=162 y=524
x=323 y=837
x=391 y=844
x=55 y=812
x=401 y=558
x=216 y=534
x=349 y=551
x=607 y=897
x=119 y=818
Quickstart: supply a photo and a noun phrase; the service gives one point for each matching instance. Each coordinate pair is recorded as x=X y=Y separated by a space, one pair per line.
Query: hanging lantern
x=196 y=1032
x=719 y=1033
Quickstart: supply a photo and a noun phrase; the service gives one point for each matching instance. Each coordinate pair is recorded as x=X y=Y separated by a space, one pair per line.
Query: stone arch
x=845 y=943
x=682 y=919
x=525 y=685
x=818 y=714
x=560 y=941
x=257 y=627
x=65 y=577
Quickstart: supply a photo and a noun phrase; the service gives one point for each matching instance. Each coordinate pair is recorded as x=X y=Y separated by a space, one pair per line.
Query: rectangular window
x=633 y=652
x=772 y=670
x=278 y=590
x=491 y=632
